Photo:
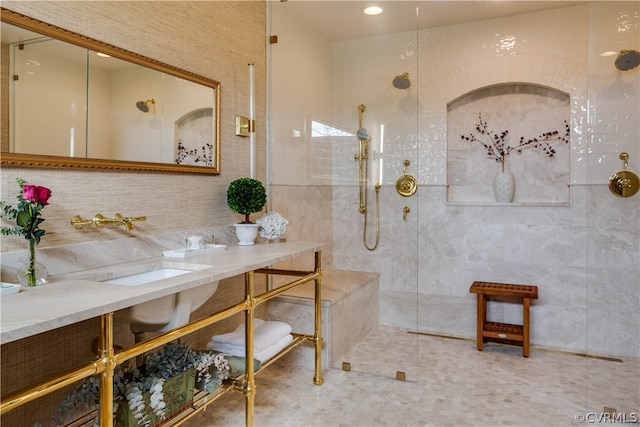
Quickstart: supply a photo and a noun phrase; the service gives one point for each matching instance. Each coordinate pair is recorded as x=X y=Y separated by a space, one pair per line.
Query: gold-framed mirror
x=93 y=105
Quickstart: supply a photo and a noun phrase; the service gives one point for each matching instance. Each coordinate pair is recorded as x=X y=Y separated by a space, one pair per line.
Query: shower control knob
x=406 y=185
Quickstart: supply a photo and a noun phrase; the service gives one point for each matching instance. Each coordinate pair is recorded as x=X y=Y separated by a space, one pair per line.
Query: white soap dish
x=9 y=288
x=182 y=252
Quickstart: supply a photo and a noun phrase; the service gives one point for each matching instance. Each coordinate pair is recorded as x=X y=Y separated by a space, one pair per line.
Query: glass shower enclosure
x=423 y=92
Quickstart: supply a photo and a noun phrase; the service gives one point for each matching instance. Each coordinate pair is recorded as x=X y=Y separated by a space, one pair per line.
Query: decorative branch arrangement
x=498 y=149
x=206 y=158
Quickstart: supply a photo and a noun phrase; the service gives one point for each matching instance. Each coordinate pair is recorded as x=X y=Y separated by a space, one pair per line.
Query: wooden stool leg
x=482 y=308
x=525 y=327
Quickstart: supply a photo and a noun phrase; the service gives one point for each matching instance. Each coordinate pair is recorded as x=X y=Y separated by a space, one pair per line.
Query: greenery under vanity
x=50 y=301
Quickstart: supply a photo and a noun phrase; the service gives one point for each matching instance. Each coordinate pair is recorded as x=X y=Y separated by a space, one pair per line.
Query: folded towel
x=239 y=350
x=231 y=350
x=265 y=334
x=269 y=352
x=239 y=331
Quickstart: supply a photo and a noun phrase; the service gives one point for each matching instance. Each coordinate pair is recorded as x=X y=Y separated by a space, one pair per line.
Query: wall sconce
x=242 y=126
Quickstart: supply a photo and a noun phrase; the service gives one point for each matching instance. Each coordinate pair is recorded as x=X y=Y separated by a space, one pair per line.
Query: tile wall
x=584 y=256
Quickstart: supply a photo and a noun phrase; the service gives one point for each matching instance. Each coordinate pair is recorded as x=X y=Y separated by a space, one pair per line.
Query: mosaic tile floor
x=449 y=383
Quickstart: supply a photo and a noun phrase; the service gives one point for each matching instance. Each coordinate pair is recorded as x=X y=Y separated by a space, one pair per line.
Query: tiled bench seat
x=350 y=309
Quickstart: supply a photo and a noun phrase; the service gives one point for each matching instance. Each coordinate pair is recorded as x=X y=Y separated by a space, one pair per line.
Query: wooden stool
x=503 y=331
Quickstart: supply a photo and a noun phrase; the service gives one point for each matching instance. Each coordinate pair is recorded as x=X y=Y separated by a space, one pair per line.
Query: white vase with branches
x=497 y=149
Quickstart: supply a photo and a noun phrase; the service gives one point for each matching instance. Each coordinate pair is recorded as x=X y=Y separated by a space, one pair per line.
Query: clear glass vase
x=31 y=272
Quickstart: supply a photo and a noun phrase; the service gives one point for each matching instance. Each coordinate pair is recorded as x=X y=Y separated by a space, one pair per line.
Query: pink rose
x=36 y=194
x=29 y=192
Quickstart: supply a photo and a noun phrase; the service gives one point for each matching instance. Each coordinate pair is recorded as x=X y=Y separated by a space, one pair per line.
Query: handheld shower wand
x=363 y=173
x=362 y=158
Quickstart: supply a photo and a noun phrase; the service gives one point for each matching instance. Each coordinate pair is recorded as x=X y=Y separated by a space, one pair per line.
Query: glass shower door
x=344 y=139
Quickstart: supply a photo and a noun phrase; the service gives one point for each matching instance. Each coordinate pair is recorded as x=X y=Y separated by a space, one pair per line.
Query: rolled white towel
x=265 y=334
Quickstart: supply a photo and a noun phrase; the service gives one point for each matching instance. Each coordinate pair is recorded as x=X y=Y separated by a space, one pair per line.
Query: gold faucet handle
x=78 y=222
x=99 y=220
x=128 y=221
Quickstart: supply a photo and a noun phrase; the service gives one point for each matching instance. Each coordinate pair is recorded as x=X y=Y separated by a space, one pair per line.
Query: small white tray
x=9 y=288
x=182 y=252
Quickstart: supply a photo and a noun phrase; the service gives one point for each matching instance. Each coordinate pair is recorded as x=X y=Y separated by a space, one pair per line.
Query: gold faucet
x=99 y=220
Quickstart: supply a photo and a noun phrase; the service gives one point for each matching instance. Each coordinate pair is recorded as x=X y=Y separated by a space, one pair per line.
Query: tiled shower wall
x=585 y=257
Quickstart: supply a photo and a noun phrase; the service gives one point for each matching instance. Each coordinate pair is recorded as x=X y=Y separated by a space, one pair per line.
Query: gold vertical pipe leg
x=249 y=386
x=107 y=358
x=317 y=337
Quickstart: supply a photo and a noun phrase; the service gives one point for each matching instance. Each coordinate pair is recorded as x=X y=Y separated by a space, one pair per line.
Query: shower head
x=144 y=105
x=402 y=81
x=627 y=60
x=362 y=134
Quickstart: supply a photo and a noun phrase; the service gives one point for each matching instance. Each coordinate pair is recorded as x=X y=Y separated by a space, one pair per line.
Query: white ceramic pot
x=504 y=187
x=246 y=233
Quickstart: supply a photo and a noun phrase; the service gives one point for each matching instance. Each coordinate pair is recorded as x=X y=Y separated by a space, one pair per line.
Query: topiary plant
x=246 y=196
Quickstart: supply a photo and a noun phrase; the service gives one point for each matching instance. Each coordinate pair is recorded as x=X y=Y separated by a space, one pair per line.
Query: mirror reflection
x=71 y=102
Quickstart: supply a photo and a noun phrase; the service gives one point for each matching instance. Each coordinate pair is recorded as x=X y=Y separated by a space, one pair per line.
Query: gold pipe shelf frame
x=203 y=399
x=109 y=358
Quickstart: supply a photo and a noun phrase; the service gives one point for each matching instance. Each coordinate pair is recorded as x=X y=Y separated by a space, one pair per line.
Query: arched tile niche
x=193 y=145
x=525 y=110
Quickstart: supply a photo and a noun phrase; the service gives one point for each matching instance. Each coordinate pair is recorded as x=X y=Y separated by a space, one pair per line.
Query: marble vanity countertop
x=70 y=298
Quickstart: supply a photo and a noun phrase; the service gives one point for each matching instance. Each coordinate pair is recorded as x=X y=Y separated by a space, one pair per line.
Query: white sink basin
x=147 y=276
x=166 y=313
x=162 y=314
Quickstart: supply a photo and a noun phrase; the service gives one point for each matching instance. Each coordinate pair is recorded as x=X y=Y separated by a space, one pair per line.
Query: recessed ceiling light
x=104 y=55
x=373 y=10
